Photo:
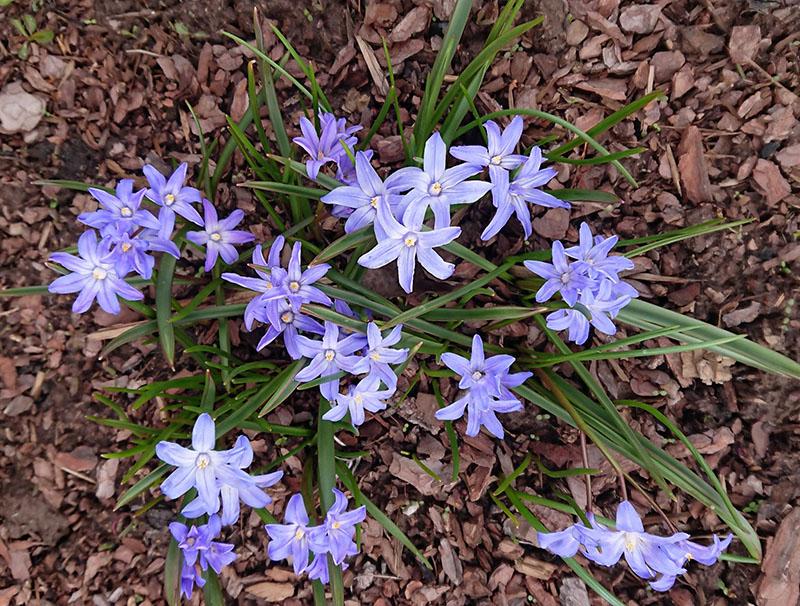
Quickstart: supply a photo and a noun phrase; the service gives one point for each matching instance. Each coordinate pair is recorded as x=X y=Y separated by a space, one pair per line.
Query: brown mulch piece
x=110 y=92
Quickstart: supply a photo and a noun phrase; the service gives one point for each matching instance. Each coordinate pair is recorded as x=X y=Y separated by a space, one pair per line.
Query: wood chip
x=780 y=584
x=271 y=592
x=373 y=66
x=692 y=166
x=743 y=43
x=769 y=178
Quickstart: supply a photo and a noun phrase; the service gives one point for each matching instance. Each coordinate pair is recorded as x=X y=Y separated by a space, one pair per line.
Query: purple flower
x=325 y=147
x=436 y=186
x=191 y=575
x=486 y=395
x=318 y=570
x=296 y=284
x=600 y=307
x=220 y=236
x=251 y=493
x=328 y=357
x=284 y=319
x=560 y=276
x=566 y=543
x=499 y=154
x=686 y=551
x=364 y=196
x=380 y=354
x=592 y=256
x=202 y=467
x=366 y=395
x=121 y=210
x=93 y=277
x=346 y=174
x=160 y=239
x=171 y=194
x=645 y=553
x=406 y=242
x=335 y=534
x=291 y=537
x=200 y=551
x=513 y=197
x=130 y=254
x=264 y=283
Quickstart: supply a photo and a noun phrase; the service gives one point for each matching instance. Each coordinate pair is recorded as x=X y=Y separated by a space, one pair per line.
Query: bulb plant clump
x=324 y=341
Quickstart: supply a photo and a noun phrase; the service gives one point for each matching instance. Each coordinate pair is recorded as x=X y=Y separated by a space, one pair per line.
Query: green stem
x=326 y=463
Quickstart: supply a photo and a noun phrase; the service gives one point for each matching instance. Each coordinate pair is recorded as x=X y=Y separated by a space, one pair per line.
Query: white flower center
x=358 y=398
x=320 y=155
x=565 y=277
x=216 y=236
x=477 y=375
x=125 y=211
x=126 y=246
x=496 y=160
x=287 y=317
x=631 y=541
x=299 y=534
x=330 y=355
x=190 y=541
x=294 y=285
x=410 y=240
x=375 y=356
x=202 y=461
x=98 y=273
x=169 y=199
x=336 y=525
x=436 y=188
x=374 y=201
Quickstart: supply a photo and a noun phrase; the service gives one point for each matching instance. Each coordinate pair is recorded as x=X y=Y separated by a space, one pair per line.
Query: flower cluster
x=588 y=280
x=295 y=538
x=220 y=481
x=129 y=234
x=200 y=550
x=487 y=384
x=659 y=560
x=397 y=207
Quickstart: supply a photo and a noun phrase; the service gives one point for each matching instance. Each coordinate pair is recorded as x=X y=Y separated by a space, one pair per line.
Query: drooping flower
x=366 y=395
x=566 y=543
x=202 y=467
x=513 y=197
x=172 y=194
x=407 y=242
x=200 y=550
x=560 y=276
x=335 y=535
x=326 y=146
x=291 y=537
x=93 y=276
x=251 y=494
x=592 y=256
x=486 y=395
x=121 y=210
x=499 y=154
x=160 y=239
x=346 y=174
x=380 y=354
x=364 y=196
x=219 y=236
x=436 y=186
x=319 y=570
x=329 y=356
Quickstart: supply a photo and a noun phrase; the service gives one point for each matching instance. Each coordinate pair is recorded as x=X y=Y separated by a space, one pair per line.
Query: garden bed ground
x=726 y=143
